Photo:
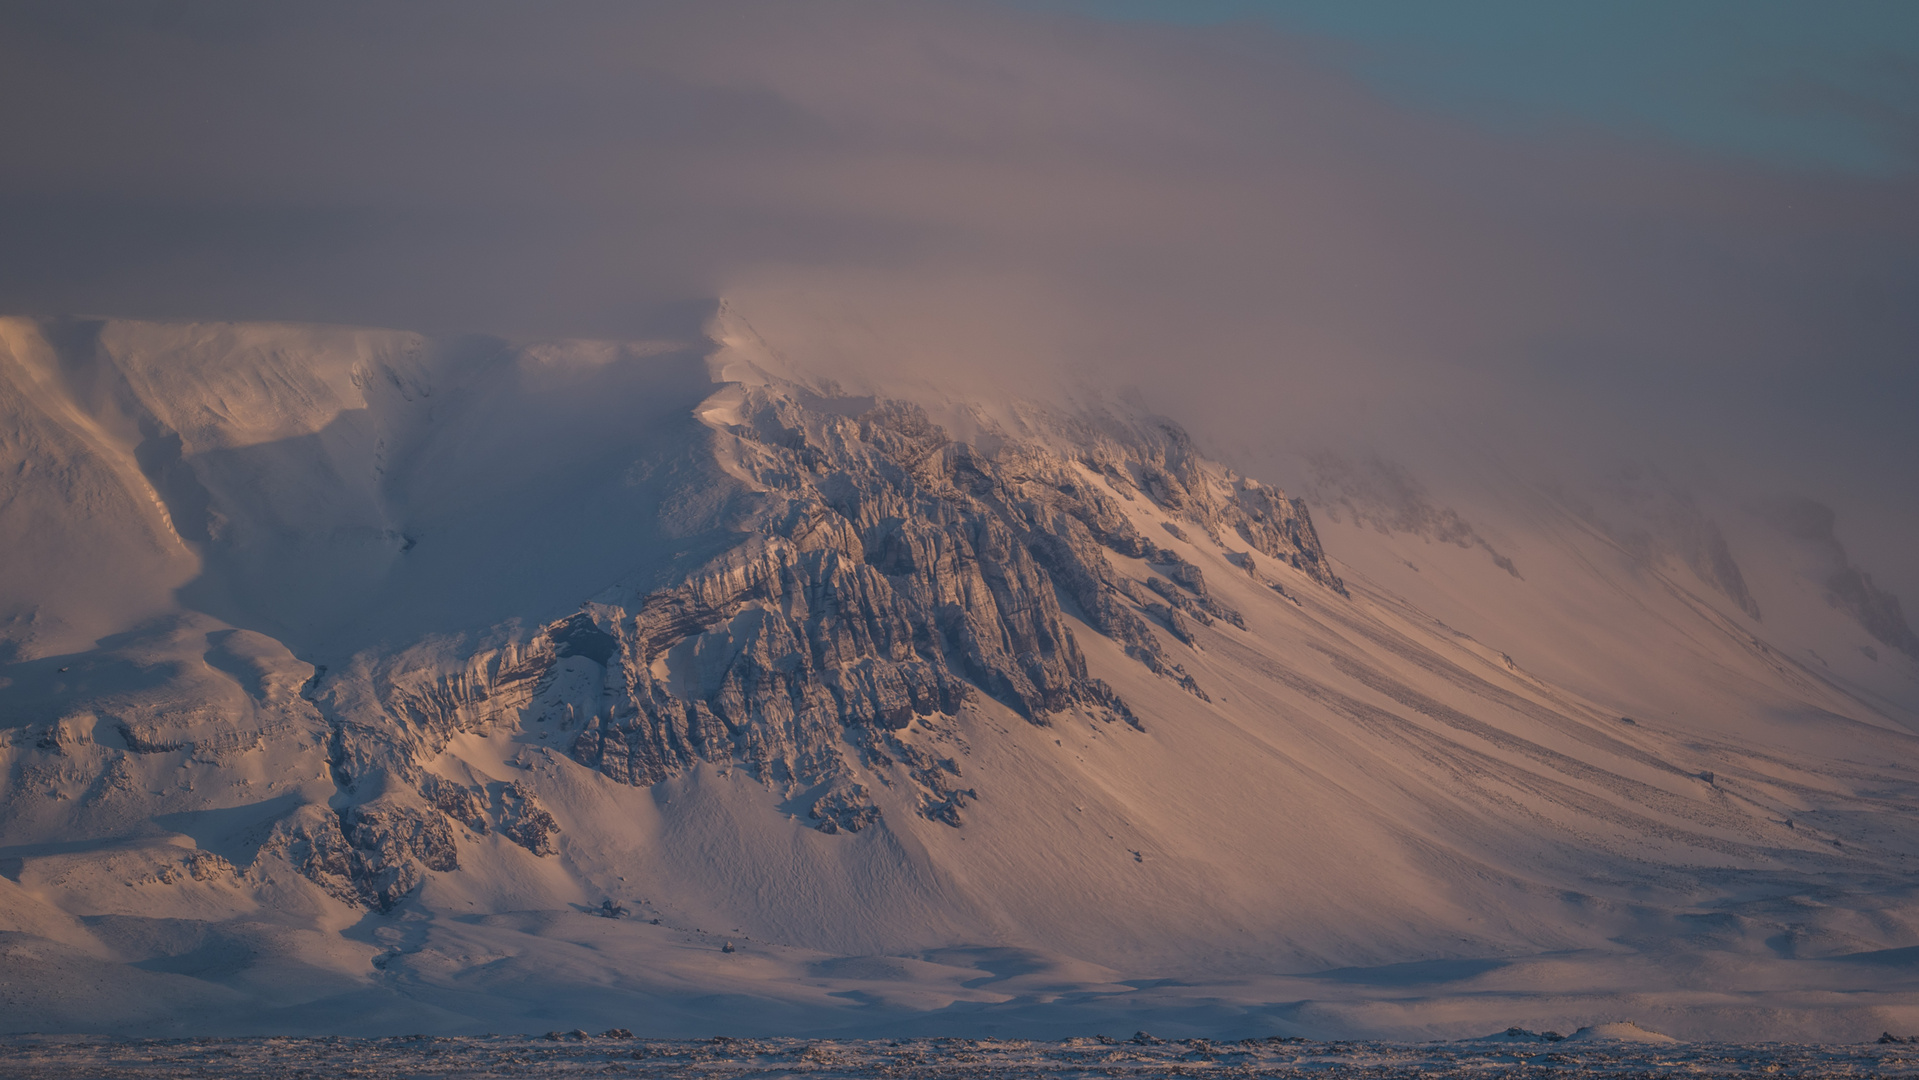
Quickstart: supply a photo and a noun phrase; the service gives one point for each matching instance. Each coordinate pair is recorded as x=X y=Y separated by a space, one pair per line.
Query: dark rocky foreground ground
x=60 y=1058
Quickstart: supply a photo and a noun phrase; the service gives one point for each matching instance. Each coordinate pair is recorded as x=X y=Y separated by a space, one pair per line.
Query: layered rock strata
x=886 y=574
x=895 y=571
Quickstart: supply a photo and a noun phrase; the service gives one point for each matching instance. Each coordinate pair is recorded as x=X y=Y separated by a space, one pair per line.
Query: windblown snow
x=363 y=682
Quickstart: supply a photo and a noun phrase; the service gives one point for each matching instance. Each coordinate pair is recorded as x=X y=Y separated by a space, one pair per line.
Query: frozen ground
x=1588 y=1053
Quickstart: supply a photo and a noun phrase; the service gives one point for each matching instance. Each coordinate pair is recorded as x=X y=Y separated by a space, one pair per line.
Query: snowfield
x=359 y=683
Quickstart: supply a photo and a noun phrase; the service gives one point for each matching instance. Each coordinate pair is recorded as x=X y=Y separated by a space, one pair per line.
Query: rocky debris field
x=615 y=1053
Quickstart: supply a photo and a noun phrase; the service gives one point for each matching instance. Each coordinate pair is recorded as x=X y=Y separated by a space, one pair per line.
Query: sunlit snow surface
x=1533 y=766
x=570 y=1055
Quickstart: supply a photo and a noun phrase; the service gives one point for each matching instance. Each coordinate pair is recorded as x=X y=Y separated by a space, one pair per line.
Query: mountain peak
x=470 y=659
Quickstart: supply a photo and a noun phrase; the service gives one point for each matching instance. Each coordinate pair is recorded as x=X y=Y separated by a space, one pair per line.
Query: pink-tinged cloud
x=1259 y=244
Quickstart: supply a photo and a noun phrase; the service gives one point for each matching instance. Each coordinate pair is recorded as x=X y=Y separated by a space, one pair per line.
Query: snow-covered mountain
x=362 y=681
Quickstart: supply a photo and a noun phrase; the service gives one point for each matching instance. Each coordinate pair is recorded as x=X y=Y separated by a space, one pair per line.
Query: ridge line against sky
x=1314 y=226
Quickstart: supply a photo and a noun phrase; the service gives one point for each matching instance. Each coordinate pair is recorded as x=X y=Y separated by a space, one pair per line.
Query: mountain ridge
x=484 y=644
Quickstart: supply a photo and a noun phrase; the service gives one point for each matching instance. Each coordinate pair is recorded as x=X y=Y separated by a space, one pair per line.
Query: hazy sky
x=1683 y=230
x=1831 y=86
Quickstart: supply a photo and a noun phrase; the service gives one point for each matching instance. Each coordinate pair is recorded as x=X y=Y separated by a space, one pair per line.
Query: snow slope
x=317 y=640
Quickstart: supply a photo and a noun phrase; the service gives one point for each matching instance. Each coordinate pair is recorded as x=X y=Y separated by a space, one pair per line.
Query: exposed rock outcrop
x=887 y=575
x=894 y=572
x=1658 y=521
x=457 y=802
x=372 y=855
x=524 y=821
x=1384 y=496
x=1848 y=587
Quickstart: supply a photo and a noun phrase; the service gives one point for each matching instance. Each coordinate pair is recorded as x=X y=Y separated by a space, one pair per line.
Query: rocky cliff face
x=894 y=572
x=839 y=680
x=885 y=574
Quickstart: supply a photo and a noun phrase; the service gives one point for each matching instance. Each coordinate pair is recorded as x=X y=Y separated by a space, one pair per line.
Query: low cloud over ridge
x=970 y=194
